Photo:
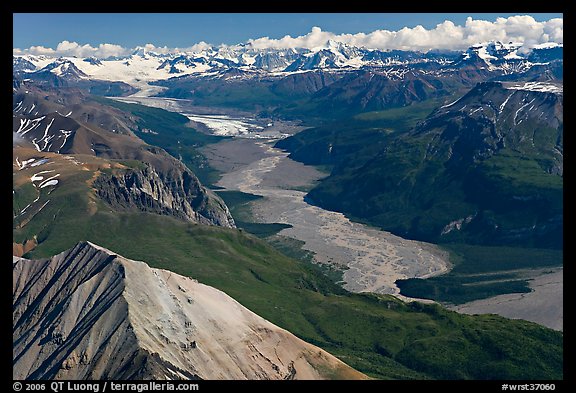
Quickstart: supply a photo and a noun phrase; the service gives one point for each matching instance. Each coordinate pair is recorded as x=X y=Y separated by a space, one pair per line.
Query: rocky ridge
x=176 y=193
x=88 y=313
x=67 y=122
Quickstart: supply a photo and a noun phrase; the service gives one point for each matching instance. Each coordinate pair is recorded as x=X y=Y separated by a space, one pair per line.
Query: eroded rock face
x=176 y=193
x=88 y=313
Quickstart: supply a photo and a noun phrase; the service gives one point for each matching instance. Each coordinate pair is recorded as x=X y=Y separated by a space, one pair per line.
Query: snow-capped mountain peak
x=500 y=50
x=145 y=53
x=93 y=60
x=64 y=67
x=144 y=65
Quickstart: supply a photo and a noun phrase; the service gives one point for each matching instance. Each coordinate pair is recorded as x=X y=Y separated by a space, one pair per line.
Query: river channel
x=371 y=260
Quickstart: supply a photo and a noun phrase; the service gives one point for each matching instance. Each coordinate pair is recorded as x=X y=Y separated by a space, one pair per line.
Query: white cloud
x=157 y=49
x=35 y=50
x=107 y=50
x=316 y=38
x=67 y=48
x=446 y=35
x=198 y=47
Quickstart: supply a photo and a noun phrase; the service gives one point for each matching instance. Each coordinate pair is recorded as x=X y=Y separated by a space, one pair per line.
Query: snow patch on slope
x=536 y=86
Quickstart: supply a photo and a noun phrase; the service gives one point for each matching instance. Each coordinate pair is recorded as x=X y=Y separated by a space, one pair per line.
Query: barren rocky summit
x=88 y=313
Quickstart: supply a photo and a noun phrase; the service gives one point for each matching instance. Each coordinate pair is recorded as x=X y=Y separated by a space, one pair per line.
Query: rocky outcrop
x=176 y=193
x=88 y=313
x=19 y=249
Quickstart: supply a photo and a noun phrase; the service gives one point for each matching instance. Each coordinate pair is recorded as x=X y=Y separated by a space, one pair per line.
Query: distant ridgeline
x=333 y=81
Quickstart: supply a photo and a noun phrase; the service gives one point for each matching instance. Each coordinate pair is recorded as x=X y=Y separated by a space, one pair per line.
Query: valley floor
x=371 y=260
x=544 y=305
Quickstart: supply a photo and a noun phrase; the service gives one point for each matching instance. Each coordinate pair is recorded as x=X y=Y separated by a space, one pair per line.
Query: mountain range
x=462 y=149
x=333 y=55
x=335 y=78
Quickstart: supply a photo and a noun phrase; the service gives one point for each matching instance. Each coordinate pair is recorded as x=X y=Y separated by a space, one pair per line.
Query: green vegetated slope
x=378 y=335
x=169 y=131
x=238 y=203
x=233 y=92
x=351 y=142
x=288 y=97
x=483 y=172
x=449 y=167
x=313 y=94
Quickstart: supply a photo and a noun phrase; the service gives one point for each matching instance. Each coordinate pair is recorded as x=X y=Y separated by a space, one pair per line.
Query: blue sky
x=183 y=30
